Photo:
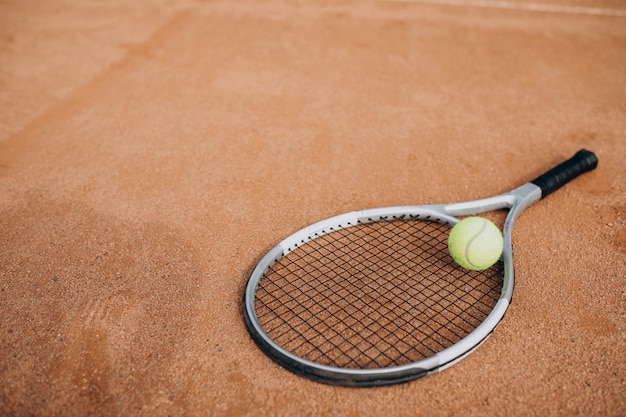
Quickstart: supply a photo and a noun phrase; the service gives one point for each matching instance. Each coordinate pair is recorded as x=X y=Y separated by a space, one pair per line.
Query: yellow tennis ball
x=475 y=243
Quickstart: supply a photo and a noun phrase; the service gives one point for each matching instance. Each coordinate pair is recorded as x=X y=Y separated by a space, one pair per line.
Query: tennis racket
x=373 y=297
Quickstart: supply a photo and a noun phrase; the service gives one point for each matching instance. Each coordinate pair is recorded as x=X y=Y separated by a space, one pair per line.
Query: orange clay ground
x=152 y=152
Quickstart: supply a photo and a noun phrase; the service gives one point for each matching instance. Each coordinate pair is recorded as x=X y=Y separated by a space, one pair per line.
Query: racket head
x=288 y=301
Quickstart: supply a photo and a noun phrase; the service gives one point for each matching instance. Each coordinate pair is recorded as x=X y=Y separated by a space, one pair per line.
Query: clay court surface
x=152 y=152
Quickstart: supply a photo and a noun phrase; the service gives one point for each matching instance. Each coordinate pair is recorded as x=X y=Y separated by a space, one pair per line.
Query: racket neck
x=516 y=200
x=525 y=196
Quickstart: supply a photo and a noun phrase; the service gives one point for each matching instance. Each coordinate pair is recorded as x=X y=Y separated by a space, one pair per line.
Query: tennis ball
x=475 y=243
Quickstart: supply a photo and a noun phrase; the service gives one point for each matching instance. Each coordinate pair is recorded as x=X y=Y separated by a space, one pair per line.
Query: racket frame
x=515 y=201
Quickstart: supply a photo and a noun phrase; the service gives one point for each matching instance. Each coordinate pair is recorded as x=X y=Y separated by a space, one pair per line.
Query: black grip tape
x=560 y=175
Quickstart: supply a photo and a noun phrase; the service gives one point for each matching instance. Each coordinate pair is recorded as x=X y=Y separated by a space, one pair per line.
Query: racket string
x=375 y=295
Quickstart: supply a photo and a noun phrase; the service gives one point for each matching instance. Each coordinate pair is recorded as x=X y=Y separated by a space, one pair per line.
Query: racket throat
x=518 y=199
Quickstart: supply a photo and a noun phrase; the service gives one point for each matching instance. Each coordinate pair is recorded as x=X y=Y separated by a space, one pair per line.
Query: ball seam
x=469 y=242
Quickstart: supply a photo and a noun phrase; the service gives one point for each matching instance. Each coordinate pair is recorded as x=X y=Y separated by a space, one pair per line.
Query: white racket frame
x=515 y=201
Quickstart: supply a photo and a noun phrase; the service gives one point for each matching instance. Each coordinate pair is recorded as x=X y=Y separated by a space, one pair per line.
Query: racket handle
x=560 y=175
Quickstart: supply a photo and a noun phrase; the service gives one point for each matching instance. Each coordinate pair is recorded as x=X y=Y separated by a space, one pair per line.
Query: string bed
x=375 y=295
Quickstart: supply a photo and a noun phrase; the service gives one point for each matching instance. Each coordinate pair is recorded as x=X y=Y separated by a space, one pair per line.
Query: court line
x=532 y=7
